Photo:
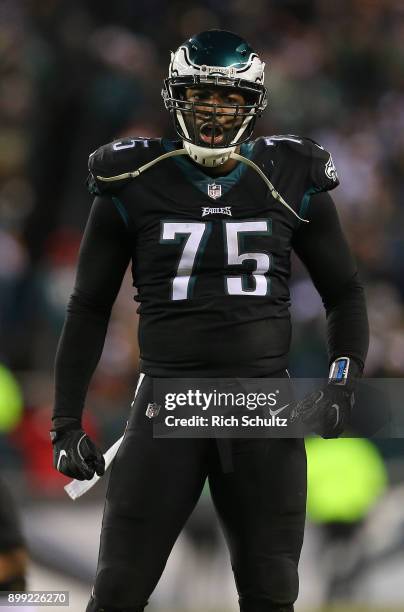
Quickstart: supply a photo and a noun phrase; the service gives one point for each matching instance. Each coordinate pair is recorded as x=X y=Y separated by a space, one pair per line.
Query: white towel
x=77 y=488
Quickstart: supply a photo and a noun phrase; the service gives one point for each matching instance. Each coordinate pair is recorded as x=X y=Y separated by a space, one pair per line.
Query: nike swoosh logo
x=320 y=397
x=61 y=454
x=275 y=412
x=337 y=411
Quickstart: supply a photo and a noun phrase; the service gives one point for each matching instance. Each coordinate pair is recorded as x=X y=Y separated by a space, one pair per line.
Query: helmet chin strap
x=227 y=153
x=207 y=157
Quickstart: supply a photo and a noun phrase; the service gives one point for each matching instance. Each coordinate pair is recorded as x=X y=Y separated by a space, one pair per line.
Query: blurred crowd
x=76 y=75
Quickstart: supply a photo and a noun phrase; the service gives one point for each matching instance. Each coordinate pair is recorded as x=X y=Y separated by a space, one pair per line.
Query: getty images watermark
x=262 y=407
x=221 y=401
x=212 y=407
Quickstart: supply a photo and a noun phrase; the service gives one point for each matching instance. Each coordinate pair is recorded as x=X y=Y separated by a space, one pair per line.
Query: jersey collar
x=218 y=185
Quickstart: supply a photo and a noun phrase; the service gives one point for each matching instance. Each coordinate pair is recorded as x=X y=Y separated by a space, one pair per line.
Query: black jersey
x=211 y=260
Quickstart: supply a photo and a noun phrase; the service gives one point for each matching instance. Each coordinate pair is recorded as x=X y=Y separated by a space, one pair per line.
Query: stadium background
x=75 y=75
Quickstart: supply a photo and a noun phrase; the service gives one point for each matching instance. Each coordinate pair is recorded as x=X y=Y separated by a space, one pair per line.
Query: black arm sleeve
x=104 y=256
x=323 y=249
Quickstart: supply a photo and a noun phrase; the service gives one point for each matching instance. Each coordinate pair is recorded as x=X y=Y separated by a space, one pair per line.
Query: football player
x=209 y=222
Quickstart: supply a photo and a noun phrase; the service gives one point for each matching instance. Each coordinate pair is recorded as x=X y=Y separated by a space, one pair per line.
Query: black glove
x=74 y=453
x=327 y=411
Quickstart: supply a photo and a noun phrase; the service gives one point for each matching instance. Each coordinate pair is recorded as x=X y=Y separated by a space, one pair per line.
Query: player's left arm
x=323 y=248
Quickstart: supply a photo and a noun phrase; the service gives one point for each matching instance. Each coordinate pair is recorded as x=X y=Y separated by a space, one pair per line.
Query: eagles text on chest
x=209 y=210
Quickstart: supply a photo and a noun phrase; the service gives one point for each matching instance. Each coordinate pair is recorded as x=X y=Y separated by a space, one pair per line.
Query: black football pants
x=258 y=488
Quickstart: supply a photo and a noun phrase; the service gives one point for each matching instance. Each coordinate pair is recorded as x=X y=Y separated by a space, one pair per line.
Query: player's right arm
x=104 y=256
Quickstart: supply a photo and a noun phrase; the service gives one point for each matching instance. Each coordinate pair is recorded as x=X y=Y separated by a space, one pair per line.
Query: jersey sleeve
x=298 y=166
x=322 y=247
x=104 y=255
x=113 y=160
x=323 y=173
x=314 y=161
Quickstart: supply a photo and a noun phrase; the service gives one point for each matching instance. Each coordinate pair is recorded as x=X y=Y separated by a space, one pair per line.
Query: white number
x=273 y=139
x=195 y=232
x=235 y=285
x=129 y=143
x=234 y=231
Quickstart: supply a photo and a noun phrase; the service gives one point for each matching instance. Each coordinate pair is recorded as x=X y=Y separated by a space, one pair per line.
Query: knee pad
x=94 y=605
x=272 y=585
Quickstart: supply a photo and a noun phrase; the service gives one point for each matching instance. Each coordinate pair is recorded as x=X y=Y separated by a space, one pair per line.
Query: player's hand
x=327 y=411
x=75 y=454
x=324 y=412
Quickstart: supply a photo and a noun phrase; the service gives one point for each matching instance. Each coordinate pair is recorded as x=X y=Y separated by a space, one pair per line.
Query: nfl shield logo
x=152 y=410
x=214 y=191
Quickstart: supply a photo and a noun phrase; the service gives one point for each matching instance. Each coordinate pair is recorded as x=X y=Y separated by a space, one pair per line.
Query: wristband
x=339 y=371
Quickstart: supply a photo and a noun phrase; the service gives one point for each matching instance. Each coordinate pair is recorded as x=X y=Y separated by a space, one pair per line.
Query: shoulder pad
x=119 y=157
x=321 y=172
x=290 y=141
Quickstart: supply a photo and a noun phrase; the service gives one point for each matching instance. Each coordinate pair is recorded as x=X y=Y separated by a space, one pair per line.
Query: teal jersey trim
x=201 y=180
x=306 y=200
x=121 y=209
